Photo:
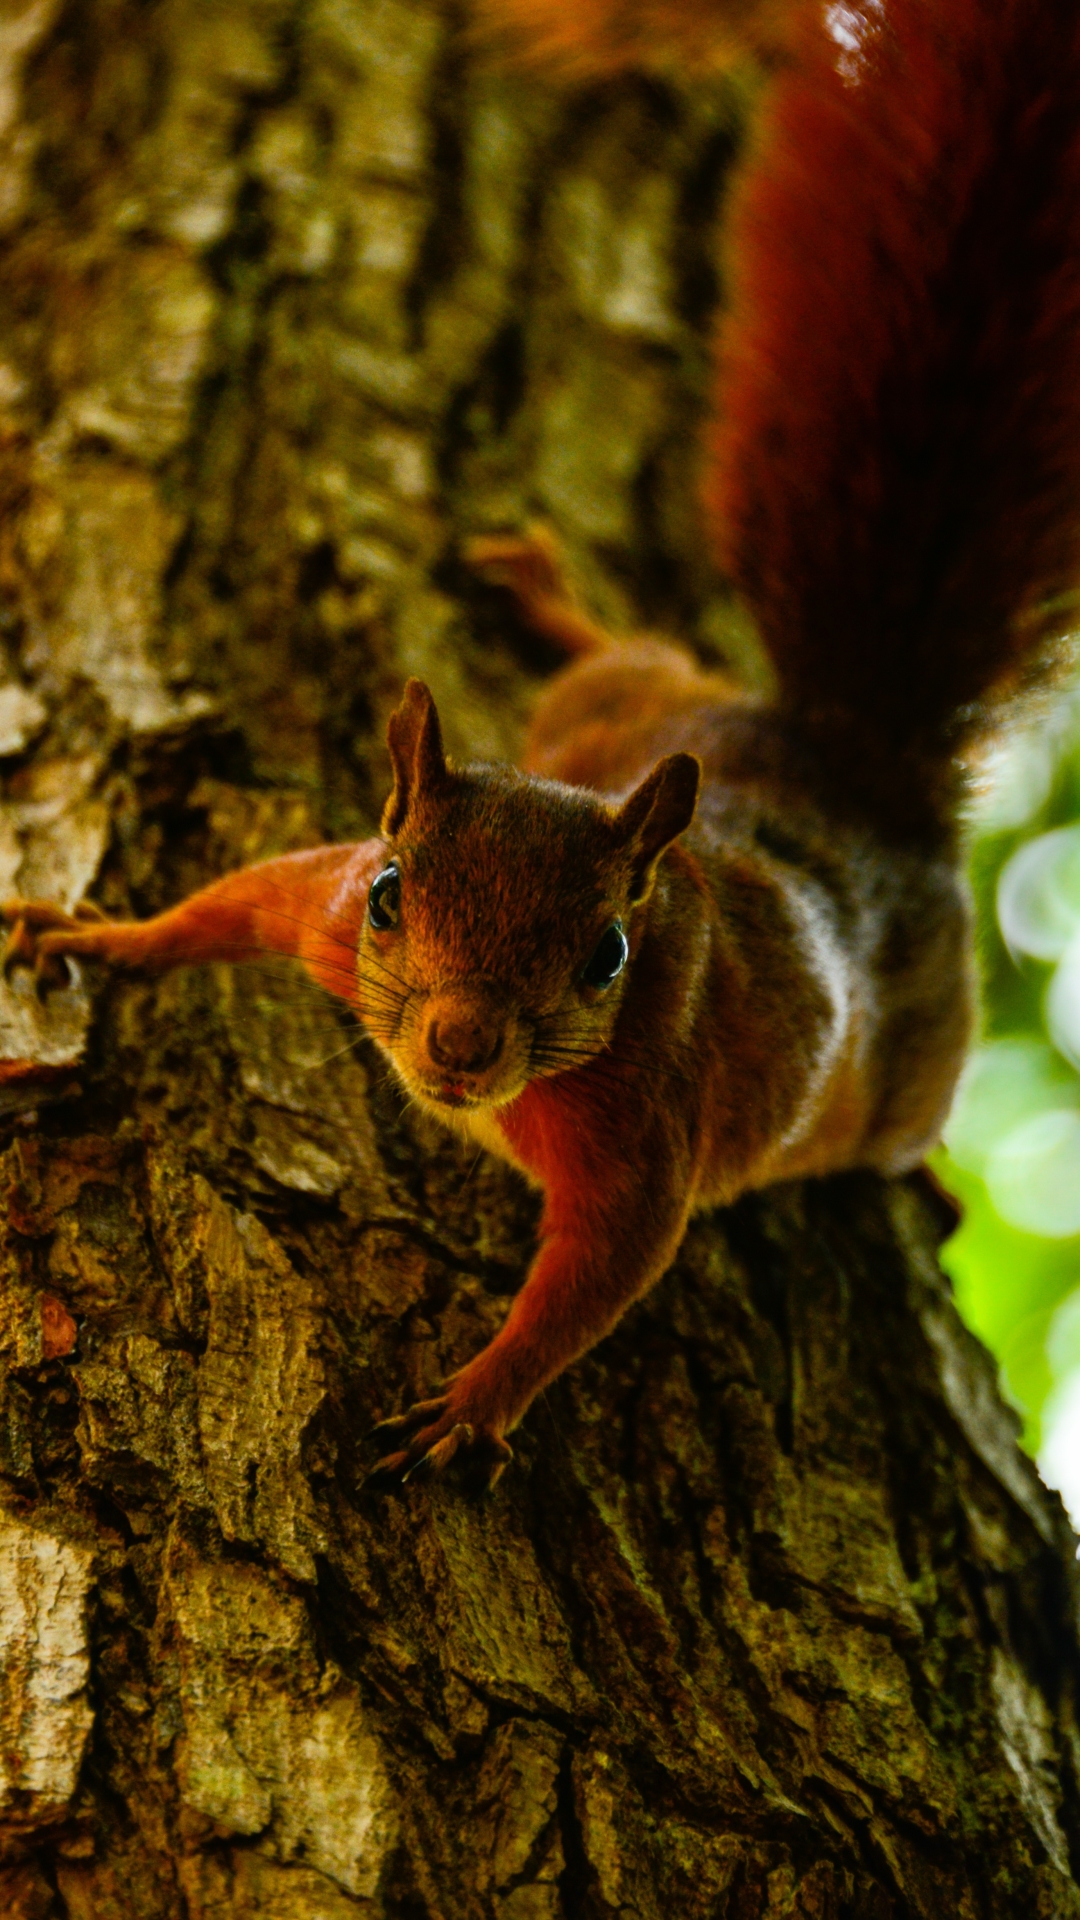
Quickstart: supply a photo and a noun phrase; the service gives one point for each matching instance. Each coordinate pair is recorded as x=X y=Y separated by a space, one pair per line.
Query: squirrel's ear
x=656 y=813
x=414 y=738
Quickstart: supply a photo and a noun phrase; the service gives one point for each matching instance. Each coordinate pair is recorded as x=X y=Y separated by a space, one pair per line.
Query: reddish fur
x=897 y=478
x=308 y=906
x=590 y=1239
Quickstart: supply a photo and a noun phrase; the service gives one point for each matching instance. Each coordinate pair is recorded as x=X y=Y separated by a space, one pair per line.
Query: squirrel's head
x=499 y=934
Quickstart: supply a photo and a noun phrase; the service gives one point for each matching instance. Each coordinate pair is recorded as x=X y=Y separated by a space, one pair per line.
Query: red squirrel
x=701 y=941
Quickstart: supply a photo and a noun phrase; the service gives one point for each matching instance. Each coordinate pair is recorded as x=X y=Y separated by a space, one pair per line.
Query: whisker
x=612 y=1067
x=374 y=960
x=289 y=893
x=350 y=1046
x=325 y=929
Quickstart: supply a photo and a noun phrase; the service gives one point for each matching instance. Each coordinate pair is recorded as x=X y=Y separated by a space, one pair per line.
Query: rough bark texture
x=770 y=1618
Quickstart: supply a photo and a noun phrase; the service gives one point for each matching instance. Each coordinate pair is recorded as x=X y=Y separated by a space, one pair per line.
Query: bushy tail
x=896 y=476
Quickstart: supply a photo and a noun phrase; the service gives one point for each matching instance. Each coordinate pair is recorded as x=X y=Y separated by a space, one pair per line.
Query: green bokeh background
x=1010 y=1283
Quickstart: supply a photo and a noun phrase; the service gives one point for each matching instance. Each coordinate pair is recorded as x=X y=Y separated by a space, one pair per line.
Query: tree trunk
x=769 y=1618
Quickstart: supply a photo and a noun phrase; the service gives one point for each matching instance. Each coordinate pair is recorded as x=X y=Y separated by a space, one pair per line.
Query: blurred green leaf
x=1012 y=1144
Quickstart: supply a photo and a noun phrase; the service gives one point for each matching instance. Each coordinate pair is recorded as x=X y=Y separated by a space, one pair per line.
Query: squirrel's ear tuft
x=656 y=813
x=414 y=738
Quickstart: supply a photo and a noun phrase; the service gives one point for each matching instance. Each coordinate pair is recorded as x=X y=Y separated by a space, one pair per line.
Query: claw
x=51 y=970
x=432 y=1443
x=18 y=950
x=503 y=1457
x=386 y=1473
x=402 y=1423
x=21 y=950
x=28 y=919
x=440 y=1455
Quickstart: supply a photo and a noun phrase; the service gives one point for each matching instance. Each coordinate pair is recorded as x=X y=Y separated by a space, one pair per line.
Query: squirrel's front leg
x=309 y=906
x=615 y=1214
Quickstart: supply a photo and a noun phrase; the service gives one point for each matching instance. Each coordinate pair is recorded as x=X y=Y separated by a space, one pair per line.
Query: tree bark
x=770 y=1618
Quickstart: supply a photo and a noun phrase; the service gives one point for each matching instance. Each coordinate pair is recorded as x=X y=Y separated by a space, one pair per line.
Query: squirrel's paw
x=530 y=563
x=36 y=939
x=439 y=1434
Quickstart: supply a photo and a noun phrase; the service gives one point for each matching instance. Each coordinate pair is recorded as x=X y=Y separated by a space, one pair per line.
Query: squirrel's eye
x=609 y=959
x=384 y=899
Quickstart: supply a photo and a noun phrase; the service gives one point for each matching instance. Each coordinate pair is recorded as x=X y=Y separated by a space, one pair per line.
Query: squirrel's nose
x=462 y=1043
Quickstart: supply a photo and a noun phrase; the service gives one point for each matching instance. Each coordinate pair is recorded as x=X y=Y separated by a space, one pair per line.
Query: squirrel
x=702 y=940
